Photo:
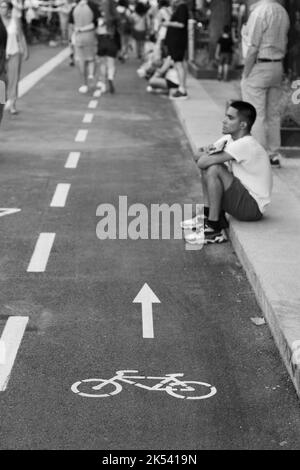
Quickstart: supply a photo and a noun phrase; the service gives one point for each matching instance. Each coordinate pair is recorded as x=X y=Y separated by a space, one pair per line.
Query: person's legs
x=158 y=82
x=13 y=77
x=274 y=96
x=111 y=70
x=257 y=97
x=226 y=72
x=181 y=68
x=216 y=180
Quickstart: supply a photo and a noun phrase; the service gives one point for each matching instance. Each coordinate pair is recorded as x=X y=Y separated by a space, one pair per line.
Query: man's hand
x=201 y=151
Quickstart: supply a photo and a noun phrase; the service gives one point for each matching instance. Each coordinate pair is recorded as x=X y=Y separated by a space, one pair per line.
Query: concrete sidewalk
x=269 y=250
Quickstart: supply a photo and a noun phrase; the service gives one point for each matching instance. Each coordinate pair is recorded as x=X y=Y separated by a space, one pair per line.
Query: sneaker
x=7 y=105
x=149 y=89
x=193 y=224
x=195 y=238
x=111 y=86
x=179 y=95
x=275 y=160
x=83 y=89
x=213 y=236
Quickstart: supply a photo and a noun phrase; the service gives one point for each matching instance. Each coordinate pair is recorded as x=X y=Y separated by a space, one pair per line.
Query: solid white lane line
x=97 y=94
x=87 y=118
x=41 y=253
x=10 y=339
x=72 y=160
x=60 y=195
x=93 y=104
x=34 y=77
x=81 y=135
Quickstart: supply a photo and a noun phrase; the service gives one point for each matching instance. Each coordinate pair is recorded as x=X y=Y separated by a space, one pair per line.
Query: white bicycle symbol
x=190 y=390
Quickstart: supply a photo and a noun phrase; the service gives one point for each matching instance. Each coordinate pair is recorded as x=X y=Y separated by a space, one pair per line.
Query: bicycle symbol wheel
x=85 y=388
x=191 y=390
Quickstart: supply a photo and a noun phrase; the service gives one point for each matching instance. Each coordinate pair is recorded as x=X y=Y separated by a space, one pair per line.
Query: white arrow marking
x=6 y=211
x=146 y=297
x=10 y=342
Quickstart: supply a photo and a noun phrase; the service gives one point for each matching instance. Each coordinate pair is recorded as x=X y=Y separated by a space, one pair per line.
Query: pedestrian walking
x=224 y=51
x=84 y=18
x=140 y=29
x=16 y=51
x=125 y=28
x=108 y=46
x=265 y=38
x=176 y=42
x=3 y=41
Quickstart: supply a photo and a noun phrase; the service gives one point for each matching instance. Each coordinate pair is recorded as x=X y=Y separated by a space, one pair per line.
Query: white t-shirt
x=251 y=165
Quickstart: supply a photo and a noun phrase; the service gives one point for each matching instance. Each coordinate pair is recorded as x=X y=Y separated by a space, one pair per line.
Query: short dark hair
x=246 y=111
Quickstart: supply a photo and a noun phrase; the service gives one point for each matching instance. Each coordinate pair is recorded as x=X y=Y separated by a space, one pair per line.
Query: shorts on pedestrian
x=85 y=53
x=107 y=46
x=239 y=203
x=139 y=35
x=225 y=58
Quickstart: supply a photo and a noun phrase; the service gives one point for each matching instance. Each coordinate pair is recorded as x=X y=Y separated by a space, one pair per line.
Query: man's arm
x=256 y=30
x=250 y=60
x=206 y=160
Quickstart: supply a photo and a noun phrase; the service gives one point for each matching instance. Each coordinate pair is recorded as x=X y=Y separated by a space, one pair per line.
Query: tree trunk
x=220 y=16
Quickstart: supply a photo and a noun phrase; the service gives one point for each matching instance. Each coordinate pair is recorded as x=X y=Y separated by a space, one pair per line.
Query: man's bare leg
x=217 y=180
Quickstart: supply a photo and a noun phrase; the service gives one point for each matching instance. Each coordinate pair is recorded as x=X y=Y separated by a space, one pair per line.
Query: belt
x=269 y=60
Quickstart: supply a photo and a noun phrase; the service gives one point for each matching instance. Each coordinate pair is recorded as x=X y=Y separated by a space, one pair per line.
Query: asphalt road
x=82 y=320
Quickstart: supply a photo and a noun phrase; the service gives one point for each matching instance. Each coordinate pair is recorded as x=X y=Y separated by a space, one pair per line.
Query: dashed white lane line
x=60 y=195
x=72 y=160
x=93 y=104
x=81 y=135
x=97 y=93
x=10 y=342
x=41 y=253
x=87 y=118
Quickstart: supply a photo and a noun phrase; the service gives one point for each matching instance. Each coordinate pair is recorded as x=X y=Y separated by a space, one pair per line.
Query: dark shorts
x=239 y=203
x=171 y=84
x=107 y=46
x=225 y=58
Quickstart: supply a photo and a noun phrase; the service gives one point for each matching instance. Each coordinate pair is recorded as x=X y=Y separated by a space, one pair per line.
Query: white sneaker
x=195 y=238
x=195 y=223
x=7 y=105
x=83 y=89
x=102 y=86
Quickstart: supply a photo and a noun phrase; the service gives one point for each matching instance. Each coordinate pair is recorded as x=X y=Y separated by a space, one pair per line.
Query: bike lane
x=83 y=323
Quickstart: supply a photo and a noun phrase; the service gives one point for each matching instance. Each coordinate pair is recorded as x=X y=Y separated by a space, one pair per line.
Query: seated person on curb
x=165 y=79
x=236 y=177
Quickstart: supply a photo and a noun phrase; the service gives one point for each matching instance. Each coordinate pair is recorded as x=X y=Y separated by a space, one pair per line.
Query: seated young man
x=236 y=177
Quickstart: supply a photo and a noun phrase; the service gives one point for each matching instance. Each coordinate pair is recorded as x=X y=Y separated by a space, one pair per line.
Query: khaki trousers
x=263 y=89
